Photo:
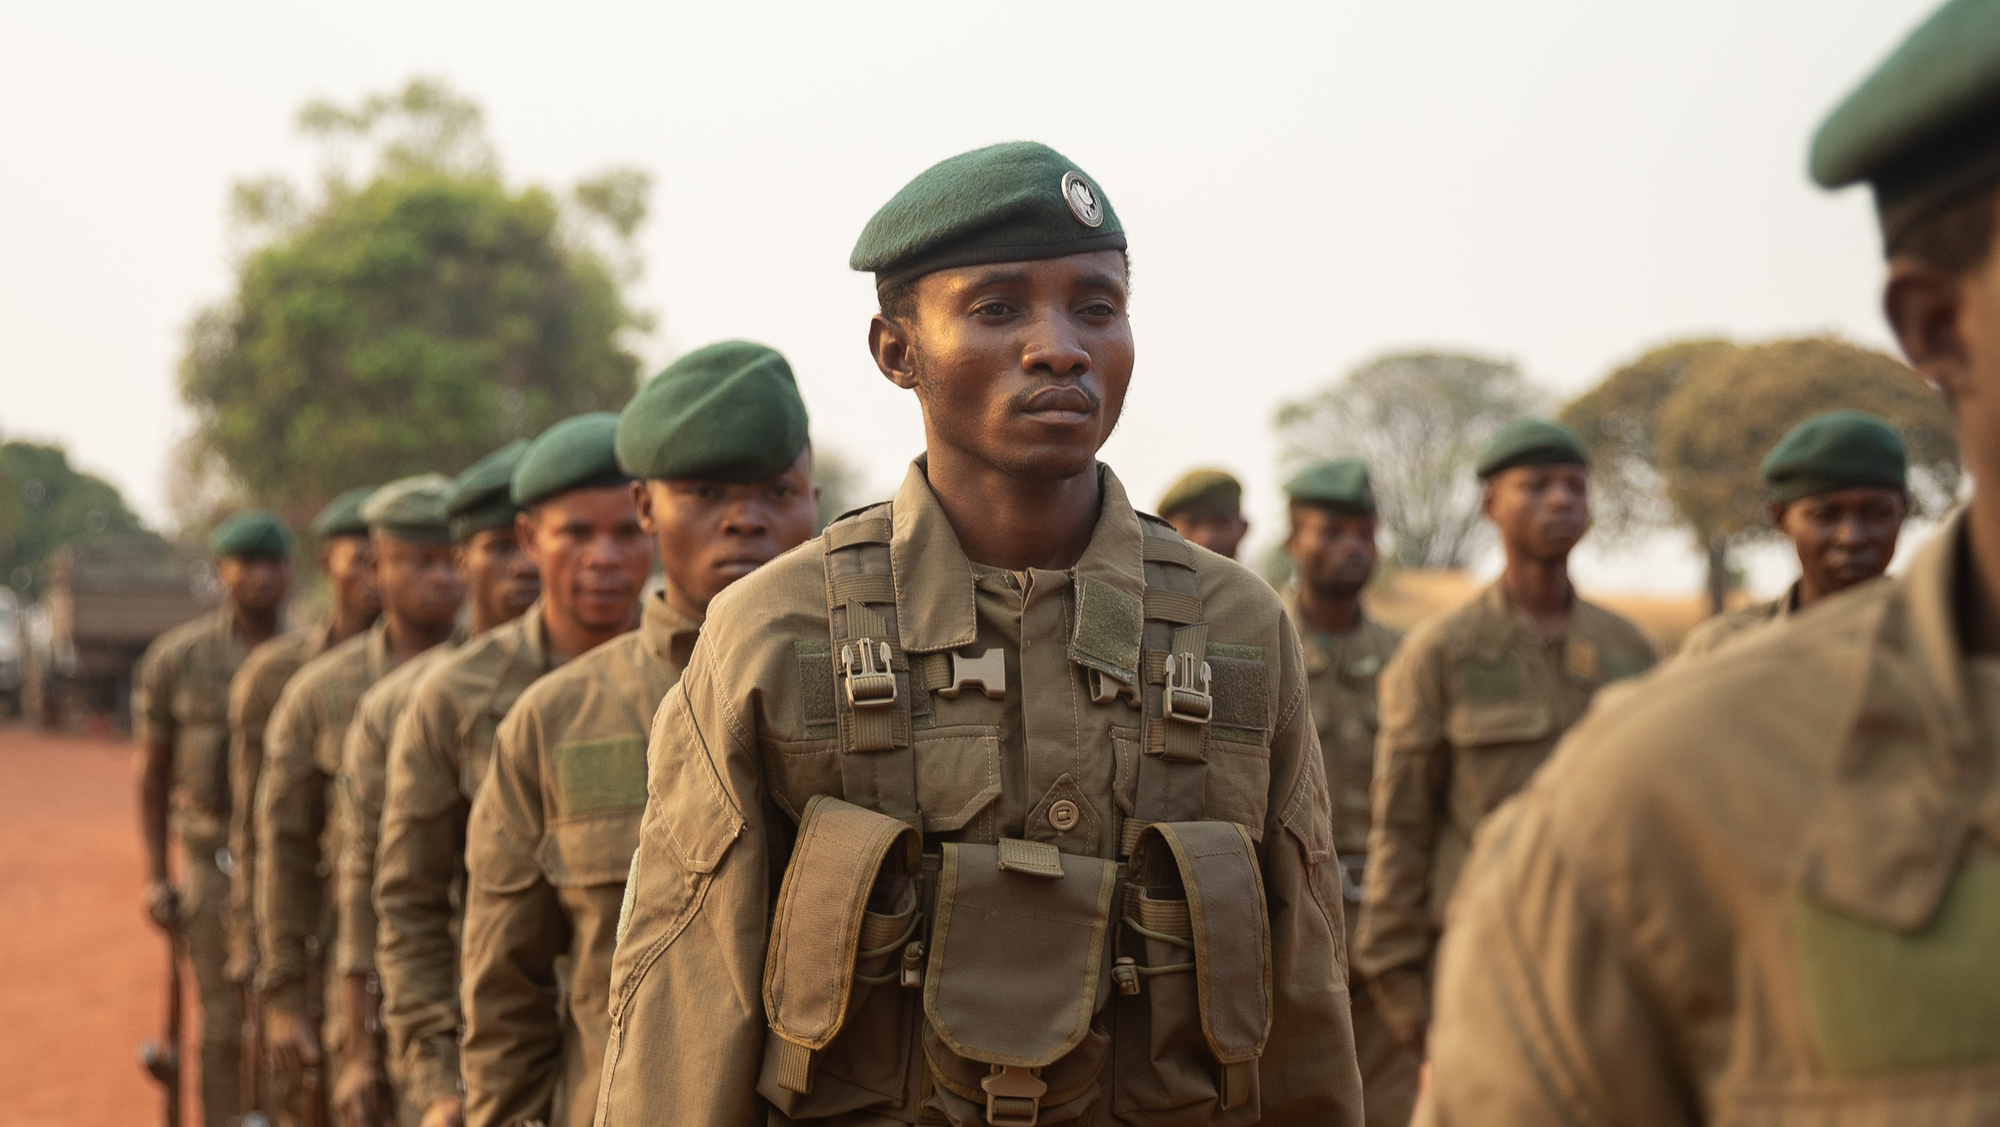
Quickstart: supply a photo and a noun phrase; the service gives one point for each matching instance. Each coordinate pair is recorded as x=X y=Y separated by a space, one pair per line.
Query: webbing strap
x=1177 y=607
x=1171 y=784
x=862 y=529
x=872 y=700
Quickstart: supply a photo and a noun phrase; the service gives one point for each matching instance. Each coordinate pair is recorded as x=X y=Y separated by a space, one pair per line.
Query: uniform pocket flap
x=1017 y=961
x=1215 y=865
x=958 y=775
x=591 y=850
x=844 y=852
x=1480 y=723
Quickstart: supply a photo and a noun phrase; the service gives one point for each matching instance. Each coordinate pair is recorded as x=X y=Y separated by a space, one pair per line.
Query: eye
x=991 y=309
x=1099 y=308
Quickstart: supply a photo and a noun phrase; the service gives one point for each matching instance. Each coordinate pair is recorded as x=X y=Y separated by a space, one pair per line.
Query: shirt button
x=1064 y=815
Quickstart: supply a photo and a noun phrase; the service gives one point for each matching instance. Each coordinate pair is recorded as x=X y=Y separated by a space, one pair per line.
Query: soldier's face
x=502 y=580
x=1540 y=511
x=1844 y=536
x=712 y=533
x=1021 y=366
x=420 y=583
x=349 y=562
x=593 y=556
x=1333 y=551
x=255 y=583
x=1949 y=327
x=1220 y=533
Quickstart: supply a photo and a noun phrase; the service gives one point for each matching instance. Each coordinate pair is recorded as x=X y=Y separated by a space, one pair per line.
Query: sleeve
x=515 y=930
x=417 y=863
x=291 y=811
x=1308 y=1073
x=687 y=1007
x=1541 y=1016
x=1412 y=769
x=153 y=694
x=249 y=709
x=359 y=790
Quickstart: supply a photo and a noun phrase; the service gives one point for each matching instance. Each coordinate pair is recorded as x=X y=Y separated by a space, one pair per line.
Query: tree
x=44 y=503
x=1419 y=420
x=1618 y=421
x=412 y=323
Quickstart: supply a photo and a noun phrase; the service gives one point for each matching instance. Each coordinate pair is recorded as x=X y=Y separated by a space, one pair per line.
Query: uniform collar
x=379 y=656
x=527 y=651
x=669 y=635
x=935 y=608
x=1502 y=621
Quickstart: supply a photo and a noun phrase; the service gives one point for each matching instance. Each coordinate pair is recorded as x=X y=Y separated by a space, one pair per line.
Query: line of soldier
x=1004 y=803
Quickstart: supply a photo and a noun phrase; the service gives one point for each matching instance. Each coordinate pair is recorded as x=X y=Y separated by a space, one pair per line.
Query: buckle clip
x=871 y=683
x=1187 y=697
x=1013 y=1095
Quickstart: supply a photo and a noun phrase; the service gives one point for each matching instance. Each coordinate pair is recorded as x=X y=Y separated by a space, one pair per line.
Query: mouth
x=1061 y=406
x=736 y=567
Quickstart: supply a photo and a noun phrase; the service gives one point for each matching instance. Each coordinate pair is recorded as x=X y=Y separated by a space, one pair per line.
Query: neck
x=1016 y=523
x=347 y=622
x=1540 y=588
x=484 y=618
x=1978 y=593
x=569 y=638
x=407 y=639
x=682 y=605
x=255 y=627
x=1328 y=614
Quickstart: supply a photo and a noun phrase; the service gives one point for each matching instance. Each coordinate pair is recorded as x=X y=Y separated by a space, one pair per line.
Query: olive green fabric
x=1471 y=705
x=729 y=412
x=410 y=508
x=1760 y=885
x=577 y=453
x=1530 y=442
x=1205 y=491
x=258 y=532
x=1713 y=632
x=1340 y=483
x=1837 y=450
x=482 y=496
x=342 y=515
x=1014 y=202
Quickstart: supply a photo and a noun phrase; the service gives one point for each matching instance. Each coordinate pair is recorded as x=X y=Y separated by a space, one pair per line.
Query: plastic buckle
x=1187 y=698
x=871 y=683
x=1106 y=689
x=1013 y=1096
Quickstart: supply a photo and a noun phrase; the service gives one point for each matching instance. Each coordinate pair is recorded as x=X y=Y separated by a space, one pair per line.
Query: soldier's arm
x=152 y=706
x=359 y=789
x=515 y=930
x=1412 y=761
x=416 y=863
x=291 y=810
x=248 y=712
x=687 y=1013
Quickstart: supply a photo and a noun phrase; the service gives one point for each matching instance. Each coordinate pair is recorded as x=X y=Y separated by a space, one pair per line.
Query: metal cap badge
x=1082 y=200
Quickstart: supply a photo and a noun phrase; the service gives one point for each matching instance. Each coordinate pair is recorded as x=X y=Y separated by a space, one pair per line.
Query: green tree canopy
x=44 y=503
x=412 y=323
x=1619 y=421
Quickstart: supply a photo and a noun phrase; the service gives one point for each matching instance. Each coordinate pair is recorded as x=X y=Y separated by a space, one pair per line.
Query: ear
x=642 y=498
x=1486 y=499
x=1777 y=511
x=894 y=348
x=524 y=535
x=1924 y=306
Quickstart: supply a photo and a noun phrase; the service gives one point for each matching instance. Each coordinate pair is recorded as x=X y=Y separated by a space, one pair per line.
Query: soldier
x=1206 y=507
x=720 y=441
x=1839 y=491
x=1473 y=702
x=955 y=714
x=348 y=562
x=1332 y=547
x=180 y=702
x=299 y=827
x=1761 y=887
x=580 y=526
x=501 y=584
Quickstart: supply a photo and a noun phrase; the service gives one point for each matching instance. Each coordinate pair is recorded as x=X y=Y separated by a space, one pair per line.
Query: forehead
x=1101 y=269
x=1853 y=496
x=606 y=504
x=1325 y=518
x=1538 y=475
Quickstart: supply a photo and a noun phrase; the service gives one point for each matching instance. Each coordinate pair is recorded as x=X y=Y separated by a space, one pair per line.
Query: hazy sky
x=1304 y=186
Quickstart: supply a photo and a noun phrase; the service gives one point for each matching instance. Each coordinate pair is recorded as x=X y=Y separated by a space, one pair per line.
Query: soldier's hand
x=163 y=905
x=242 y=960
x=445 y=1113
x=357 y=1095
x=290 y=1039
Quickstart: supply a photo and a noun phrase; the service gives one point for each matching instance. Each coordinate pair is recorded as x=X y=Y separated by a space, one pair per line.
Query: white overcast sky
x=1304 y=186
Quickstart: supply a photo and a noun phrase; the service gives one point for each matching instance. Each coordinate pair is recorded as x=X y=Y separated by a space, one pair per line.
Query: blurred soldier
x=501 y=584
x=1473 y=702
x=580 y=527
x=1838 y=486
x=181 y=701
x=1206 y=507
x=299 y=828
x=348 y=562
x=959 y=715
x=720 y=441
x=1764 y=887
x=1332 y=547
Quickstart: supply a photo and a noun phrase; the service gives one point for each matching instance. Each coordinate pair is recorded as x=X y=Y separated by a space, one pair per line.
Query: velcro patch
x=1242 y=692
x=1498 y=680
x=1108 y=623
x=816 y=682
x=601 y=774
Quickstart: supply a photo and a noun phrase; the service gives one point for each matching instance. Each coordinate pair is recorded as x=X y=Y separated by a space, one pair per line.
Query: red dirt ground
x=83 y=972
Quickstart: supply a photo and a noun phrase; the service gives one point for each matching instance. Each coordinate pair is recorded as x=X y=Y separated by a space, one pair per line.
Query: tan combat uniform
x=1058 y=779
x=1341 y=670
x=547 y=849
x=437 y=759
x=1714 y=631
x=1471 y=705
x=181 y=698
x=1759 y=888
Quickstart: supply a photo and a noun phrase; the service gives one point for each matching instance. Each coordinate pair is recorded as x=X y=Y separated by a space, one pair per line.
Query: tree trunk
x=1718 y=574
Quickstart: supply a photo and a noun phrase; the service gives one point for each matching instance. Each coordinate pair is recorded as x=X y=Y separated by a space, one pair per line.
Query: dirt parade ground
x=85 y=972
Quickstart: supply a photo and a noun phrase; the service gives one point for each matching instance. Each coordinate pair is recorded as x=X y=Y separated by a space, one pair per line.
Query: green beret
x=1208 y=491
x=482 y=497
x=1342 y=484
x=342 y=516
x=1015 y=202
x=1837 y=450
x=728 y=412
x=259 y=532
x=1924 y=128
x=410 y=508
x=1531 y=442
x=577 y=453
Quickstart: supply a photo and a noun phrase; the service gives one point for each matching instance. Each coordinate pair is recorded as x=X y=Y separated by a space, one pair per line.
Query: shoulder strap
x=872 y=699
x=1177 y=698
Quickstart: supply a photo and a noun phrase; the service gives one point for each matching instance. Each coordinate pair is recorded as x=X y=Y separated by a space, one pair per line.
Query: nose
x=744 y=518
x=1053 y=350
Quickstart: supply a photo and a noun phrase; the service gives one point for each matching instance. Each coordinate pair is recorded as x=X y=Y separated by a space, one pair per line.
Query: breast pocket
x=958 y=779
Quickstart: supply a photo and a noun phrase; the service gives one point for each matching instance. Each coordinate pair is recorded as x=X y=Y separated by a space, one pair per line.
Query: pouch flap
x=592 y=850
x=1017 y=960
x=816 y=931
x=1488 y=722
x=1217 y=867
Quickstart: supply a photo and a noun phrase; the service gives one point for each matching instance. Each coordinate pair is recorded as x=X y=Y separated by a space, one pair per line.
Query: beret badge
x=1082 y=199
